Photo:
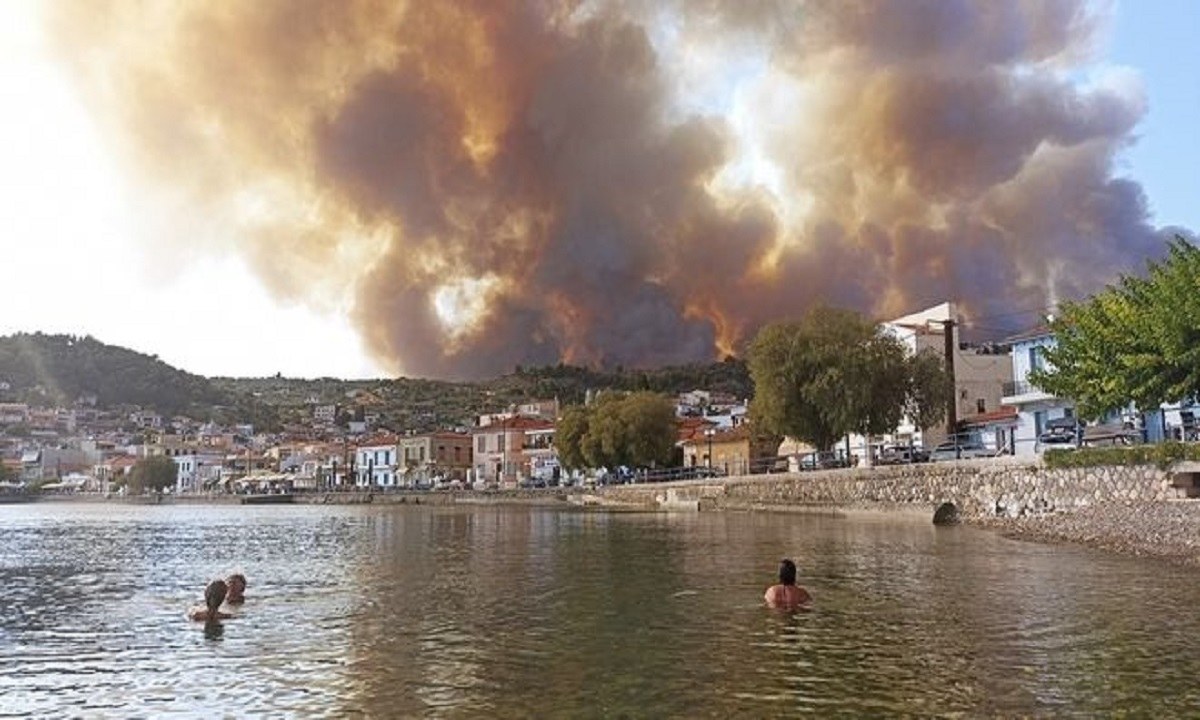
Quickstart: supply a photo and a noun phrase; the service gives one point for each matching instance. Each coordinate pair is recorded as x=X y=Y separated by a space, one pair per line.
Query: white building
x=375 y=462
x=194 y=471
x=979 y=376
x=1035 y=408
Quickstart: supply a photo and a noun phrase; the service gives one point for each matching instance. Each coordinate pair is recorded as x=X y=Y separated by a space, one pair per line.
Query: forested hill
x=59 y=369
x=421 y=405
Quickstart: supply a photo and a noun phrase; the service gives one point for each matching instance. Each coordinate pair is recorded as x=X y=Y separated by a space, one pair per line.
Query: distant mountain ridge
x=59 y=369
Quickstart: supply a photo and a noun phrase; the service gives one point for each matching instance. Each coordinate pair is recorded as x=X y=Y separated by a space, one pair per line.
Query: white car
x=965 y=450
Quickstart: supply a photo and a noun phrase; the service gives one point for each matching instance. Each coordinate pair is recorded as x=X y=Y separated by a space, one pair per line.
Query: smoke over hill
x=502 y=183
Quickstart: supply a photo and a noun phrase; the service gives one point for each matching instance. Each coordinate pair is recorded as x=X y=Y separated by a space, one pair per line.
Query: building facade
x=443 y=455
x=507 y=451
x=1035 y=407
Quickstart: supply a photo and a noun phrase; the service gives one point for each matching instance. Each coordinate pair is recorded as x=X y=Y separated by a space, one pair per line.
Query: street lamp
x=709 y=434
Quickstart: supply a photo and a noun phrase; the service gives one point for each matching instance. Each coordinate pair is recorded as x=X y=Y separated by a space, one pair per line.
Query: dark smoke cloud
x=540 y=172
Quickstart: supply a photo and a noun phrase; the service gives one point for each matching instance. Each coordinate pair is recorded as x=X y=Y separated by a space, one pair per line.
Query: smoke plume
x=504 y=182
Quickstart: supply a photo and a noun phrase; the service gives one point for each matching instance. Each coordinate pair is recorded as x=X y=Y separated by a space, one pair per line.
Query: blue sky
x=1160 y=39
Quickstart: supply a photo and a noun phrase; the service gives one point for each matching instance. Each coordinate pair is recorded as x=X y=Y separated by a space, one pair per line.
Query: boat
x=268 y=499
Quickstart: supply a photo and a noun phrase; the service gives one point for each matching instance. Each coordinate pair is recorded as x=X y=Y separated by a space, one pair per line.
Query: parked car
x=1060 y=433
x=960 y=450
x=823 y=461
x=901 y=455
x=1058 y=439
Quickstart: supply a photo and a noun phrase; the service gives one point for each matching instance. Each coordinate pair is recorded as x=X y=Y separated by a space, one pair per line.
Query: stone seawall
x=979 y=488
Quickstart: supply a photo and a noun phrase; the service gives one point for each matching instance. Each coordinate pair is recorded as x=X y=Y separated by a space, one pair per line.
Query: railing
x=1019 y=387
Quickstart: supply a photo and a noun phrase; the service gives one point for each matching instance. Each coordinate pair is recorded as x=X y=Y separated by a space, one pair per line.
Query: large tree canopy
x=834 y=372
x=635 y=429
x=1136 y=341
x=152 y=473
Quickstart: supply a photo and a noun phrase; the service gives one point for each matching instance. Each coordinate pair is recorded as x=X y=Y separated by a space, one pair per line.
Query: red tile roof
x=519 y=422
x=1003 y=415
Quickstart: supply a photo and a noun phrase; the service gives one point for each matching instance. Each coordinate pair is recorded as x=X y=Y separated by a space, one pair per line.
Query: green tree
x=835 y=372
x=650 y=430
x=930 y=389
x=153 y=473
x=634 y=429
x=569 y=433
x=1136 y=341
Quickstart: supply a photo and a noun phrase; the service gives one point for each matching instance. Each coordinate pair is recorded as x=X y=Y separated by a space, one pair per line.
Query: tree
x=153 y=473
x=835 y=372
x=1135 y=341
x=930 y=389
x=633 y=429
x=569 y=432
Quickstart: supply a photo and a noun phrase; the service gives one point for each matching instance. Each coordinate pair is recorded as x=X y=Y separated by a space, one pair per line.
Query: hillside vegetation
x=59 y=369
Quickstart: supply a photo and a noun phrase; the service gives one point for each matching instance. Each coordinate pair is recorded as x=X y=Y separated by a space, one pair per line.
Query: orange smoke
x=502 y=183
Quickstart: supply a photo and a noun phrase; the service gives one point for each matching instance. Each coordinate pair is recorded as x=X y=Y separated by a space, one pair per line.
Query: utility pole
x=952 y=406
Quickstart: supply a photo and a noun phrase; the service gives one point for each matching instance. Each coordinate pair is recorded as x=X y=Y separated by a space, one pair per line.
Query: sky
x=93 y=266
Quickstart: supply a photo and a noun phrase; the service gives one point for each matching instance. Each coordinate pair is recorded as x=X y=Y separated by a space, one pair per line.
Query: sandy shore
x=1169 y=529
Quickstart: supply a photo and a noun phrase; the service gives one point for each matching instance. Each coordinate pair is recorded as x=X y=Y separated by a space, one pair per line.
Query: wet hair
x=214 y=594
x=787 y=572
x=239 y=578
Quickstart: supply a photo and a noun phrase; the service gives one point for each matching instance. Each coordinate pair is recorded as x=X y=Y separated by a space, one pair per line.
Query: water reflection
x=214 y=630
x=513 y=612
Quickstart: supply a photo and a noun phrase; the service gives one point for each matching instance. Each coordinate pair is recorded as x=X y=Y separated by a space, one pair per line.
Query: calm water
x=517 y=612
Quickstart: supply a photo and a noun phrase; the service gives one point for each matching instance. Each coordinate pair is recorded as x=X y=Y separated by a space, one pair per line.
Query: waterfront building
x=375 y=462
x=445 y=454
x=508 y=450
x=732 y=451
x=980 y=375
x=1035 y=408
x=197 y=469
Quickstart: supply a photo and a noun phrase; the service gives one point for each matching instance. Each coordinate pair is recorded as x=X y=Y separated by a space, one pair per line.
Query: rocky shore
x=1168 y=529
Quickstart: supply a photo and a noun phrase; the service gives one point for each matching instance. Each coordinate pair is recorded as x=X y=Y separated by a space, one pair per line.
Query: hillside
x=420 y=405
x=59 y=369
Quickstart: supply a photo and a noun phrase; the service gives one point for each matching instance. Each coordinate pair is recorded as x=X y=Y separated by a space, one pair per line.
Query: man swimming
x=214 y=595
x=787 y=594
x=237 y=589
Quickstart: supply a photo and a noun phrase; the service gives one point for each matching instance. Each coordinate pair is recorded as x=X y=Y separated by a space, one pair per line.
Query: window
x=1039 y=423
x=481 y=444
x=980 y=405
x=1037 y=360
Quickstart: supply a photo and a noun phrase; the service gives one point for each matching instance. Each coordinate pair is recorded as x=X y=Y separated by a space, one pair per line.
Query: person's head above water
x=237 y=588
x=787 y=572
x=214 y=594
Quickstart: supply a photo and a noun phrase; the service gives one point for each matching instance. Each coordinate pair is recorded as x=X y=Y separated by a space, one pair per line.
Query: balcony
x=1022 y=391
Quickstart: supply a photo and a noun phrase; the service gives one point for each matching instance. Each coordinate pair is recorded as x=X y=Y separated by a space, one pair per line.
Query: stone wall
x=980 y=488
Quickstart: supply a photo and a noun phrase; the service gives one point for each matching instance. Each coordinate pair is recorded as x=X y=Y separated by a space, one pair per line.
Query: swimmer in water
x=237 y=589
x=214 y=595
x=787 y=594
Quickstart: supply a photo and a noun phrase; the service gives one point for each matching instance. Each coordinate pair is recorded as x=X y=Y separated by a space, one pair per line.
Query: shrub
x=1161 y=455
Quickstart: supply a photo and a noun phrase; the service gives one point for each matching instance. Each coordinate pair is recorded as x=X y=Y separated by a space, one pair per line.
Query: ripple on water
x=532 y=613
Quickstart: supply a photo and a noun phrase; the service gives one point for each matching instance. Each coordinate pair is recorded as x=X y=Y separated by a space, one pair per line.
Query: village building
x=444 y=455
x=507 y=451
